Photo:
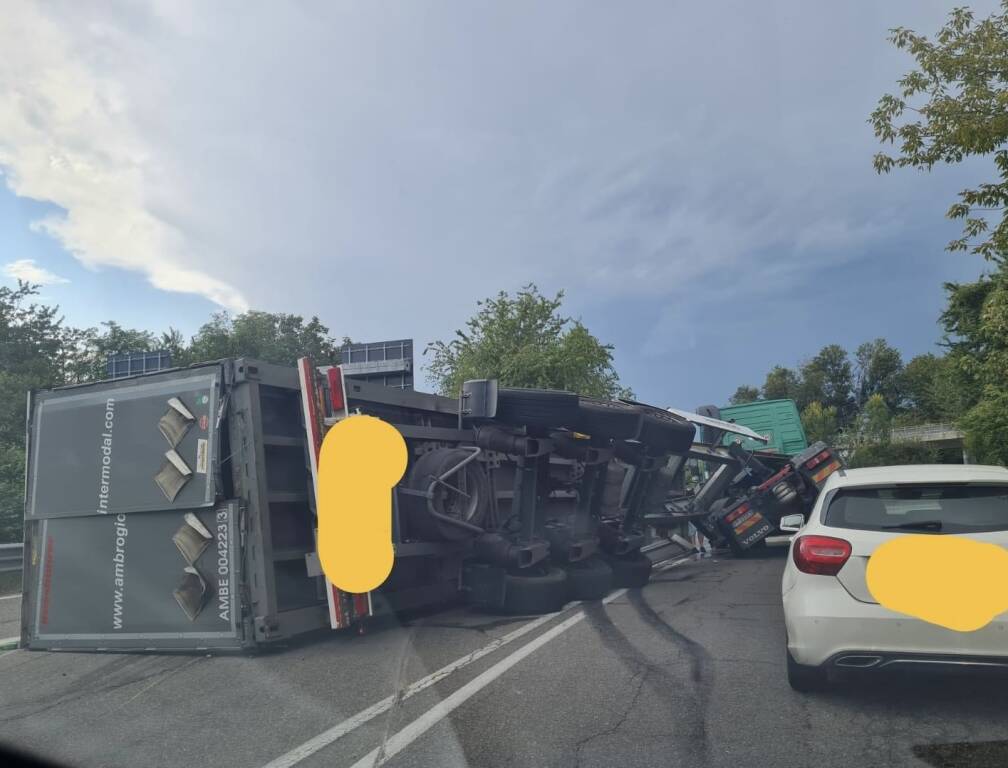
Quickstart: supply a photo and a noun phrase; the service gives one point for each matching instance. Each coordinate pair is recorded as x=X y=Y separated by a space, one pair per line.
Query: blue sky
x=696 y=177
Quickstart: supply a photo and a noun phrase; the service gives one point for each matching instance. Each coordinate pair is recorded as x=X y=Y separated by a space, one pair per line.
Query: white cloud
x=384 y=166
x=68 y=136
x=30 y=272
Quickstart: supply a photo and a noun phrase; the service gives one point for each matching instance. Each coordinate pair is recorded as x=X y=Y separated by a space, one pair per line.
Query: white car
x=832 y=620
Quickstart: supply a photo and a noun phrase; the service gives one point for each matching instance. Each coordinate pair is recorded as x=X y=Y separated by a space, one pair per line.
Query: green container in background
x=777 y=420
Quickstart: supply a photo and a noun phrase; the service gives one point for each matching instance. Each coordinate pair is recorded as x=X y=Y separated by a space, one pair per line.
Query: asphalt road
x=10 y=613
x=687 y=671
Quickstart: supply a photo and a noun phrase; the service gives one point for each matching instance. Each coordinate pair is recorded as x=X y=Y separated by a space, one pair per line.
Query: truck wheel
x=472 y=510
x=607 y=418
x=665 y=432
x=589 y=579
x=536 y=407
x=630 y=571
x=805 y=679
x=542 y=592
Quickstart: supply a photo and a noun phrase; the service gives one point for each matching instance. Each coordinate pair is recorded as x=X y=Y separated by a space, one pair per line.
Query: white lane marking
x=327 y=737
x=432 y=716
x=9 y=597
x=340 y=730
x=403 y=738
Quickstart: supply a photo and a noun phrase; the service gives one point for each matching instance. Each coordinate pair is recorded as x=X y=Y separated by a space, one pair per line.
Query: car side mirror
x=791 y=523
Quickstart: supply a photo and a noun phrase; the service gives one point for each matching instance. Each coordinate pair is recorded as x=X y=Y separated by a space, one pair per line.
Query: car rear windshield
x=921 y=508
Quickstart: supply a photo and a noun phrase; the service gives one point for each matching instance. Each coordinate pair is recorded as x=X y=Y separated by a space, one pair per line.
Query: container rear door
x=124 y=446
x=145 y=581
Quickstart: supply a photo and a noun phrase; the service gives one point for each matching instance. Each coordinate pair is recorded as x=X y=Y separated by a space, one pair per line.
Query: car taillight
x=335 y=375
x=818 y=459
x=821 y=555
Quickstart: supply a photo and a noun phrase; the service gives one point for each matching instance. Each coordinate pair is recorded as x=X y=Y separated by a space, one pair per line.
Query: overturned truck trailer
x=175 y=511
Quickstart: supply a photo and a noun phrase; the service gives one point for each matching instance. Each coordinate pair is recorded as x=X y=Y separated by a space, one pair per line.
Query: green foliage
x=986 y=428
x=876 y=421
x=781 y=384
x=12 y=459
x=524 y=341
x=828 y=379
x=820 y=422
x=933 y=390
x=976 y=325
x=957 y=96
x=879 y=372
x=745 y=394
x=95 y=346
x=274 y=338
x=885 y=454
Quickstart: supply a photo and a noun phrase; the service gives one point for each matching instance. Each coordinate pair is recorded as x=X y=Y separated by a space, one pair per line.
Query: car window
x=959 y=508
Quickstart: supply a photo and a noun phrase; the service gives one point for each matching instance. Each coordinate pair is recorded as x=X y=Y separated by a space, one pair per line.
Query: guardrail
x=927 y=433
x=11 y=557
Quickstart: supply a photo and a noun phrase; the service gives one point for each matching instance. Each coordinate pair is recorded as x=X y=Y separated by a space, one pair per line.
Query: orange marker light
x=953 y=582
x=362 y=458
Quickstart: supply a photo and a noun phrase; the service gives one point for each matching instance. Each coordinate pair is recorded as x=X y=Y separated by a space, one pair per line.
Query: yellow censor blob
x=953 y=582
x=361 y=459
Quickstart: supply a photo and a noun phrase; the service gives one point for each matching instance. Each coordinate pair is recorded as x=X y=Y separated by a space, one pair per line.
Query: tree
x=524 y=341
x=933 y=390
x=828 y=379
x=744 y=394
x=976 y=325
x=781 y=384
x=274 y=338
x=94 y=348
x=879 y=370
x=957 y=95
x=876 y=421
x=985 y=426
x=819 y=422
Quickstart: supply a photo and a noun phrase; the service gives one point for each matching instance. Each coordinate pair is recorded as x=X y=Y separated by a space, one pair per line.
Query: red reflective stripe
x=311 y=405
x=335 y=376
x=360 y=604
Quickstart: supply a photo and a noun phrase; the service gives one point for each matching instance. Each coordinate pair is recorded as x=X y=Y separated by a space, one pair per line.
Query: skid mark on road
x=392 y=744
x=107 y=677
x=701 y=669
x=657 y=677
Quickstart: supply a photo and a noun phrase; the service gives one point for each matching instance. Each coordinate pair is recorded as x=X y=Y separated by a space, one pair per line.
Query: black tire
x=589 y=579
x=607 y=418
x=631 y=571
x=805 y=679
x=543 y=591
x=422 y=524
x=664 y=432
x=536 y=407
